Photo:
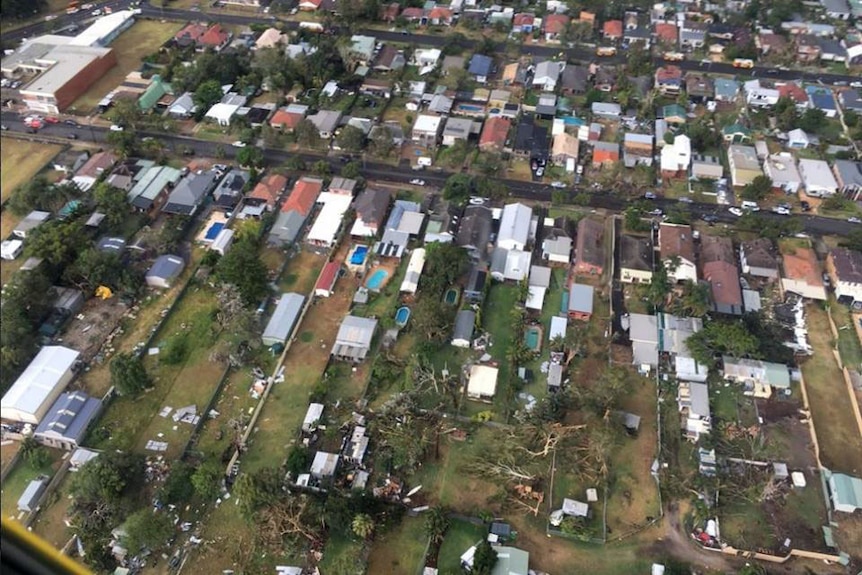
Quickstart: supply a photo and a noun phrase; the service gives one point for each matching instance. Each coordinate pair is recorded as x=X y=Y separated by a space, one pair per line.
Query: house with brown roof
x=574 y=79
x=93 y=169
x=636 y=259
x=612 y=30
x=371 y=207
x=190 y=34
x=668 y=79
x=676 y=248
x=845 y=269
x=390 y=12
x=288 y=118
x=605 y=153
x=796 y=93
x=759 y=258
x=718 y=267
x=699 y=88
x=523 y=22
x=807 y=49
x=554 y=25
x=564 y=148
x=801 y=274
x=494 y=134
x=215 y=37
x=389 y=59
x=768 y=42
x=588 y=17
x=295 y=211
x=666 y=34
x=268 y=190
x=589 y=247
x=440 y=16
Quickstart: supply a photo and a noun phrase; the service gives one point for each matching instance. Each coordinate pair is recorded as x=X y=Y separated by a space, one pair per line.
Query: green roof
x=673 y=110
x=511 y=561
x=846 y=490
x=154 y=93
x=736 y=129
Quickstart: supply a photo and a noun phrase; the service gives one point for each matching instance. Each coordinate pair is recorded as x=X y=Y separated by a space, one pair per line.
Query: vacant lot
x=142 y=39
x=399 y=551
x=837 y=432
x=460 y=536
x=21 y=476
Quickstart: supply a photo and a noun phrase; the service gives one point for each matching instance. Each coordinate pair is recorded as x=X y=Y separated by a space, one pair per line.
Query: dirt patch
x=93 y=326
x=775 y=410
x=792 y=440
x=8 y=450
x=848 y=535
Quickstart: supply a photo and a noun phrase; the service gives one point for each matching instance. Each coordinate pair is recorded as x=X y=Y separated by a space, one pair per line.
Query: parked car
x=417 y=182
x=116 y=128
x=781 y=211
x=239 y=144
x=656 y=212
x=735 y=211
x=540 y=171
x=650 y=196
x=806 y=206
x=559 y=185
x=710 y=218
x=686 y=200
x=72 y=136
x=72 y=123
x=52 y=120
x=854 y=220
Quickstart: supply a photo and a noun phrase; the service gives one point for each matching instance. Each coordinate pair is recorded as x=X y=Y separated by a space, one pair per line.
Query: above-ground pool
x=451 y=296
x=470 y=108
x=377 y=279
x=214 y=230
x=533 y=338
x=401 y=316
x=358 y=256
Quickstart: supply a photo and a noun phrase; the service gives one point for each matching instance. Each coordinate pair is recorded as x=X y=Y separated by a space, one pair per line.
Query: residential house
x=706 y=168
x=523 y=22
x=223 y=112
x=605 y=153
x=796 y=93
x=157 y=96
x=547 y=74
x=693 y=399
x=323 y=233
x=557 y=249
x=93 y=169
x=606 y=111
x=477 y=281
x=699 y=88
x=726 y=89
x=228 y=193
x=822 y=99
x=440 y=16
x=565 y=148
x=426 y=130
x=666 y=34
x=67 y=420
x=462 y=334
x=554 y=25
x=758 y=96
x=590 y=255
x=612 y=30
x=295 y=211
x=781 y=169
x=797 y=139
x=389 y=59
x=474 y=234
x=655 y=335
x=636 y=259
x=851 y=100
x=189 y=192
x=69 y=161
x=164 y=271
x=832 y=50
x=770 y=43
x=758 y=378
x=743 y=163
x=215 y=38
x=580 y=306
x=676 y=247
x=149 y=192
x=718 y=267
x=736 y=134
x=817 y=178
x=353 y=341
x=759 y=258
x=668 y=79
x=268 y=191
x=30 y=398
x=289 y=117
x=637 y=149
x=848 y=176
x=326 y=121
x=430 y=57
x=837 y=9
x=270 y=38
x=283 y=320
x=692 y=35
x=494 y=134
x=845 y=492
x=807 y=49
x=844 y=267
x=635 y=33
x=801 y=274
x=183 y=107
x=605 y=78
x=674 y=114
x=531 y=140
x=371 y=207
x=676 y=158
x=459 y=130
x=574 y=80
x=482 y=382
x=480 y=67
x=514 y=232
x=359 y=51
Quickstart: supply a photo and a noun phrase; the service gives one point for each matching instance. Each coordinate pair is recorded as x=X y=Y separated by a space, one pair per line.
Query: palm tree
x=436 y=524
x=363 y=525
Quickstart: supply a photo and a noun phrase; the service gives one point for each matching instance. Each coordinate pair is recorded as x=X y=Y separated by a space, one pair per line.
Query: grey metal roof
x=33 y=492
x=283 y=319
x=465 y=321
x=699 y=397
x=111 y=244
x=190 y=191
x=286 y=228
x=69 y=417
x=581 y=298
x=354 y=337
x=166 y=267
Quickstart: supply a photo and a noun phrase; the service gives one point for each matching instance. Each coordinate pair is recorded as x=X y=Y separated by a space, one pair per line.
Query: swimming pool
x=358 y=257
x=533 y=338
x=451 y=296
x=470 y=108
x=213 y=232
x=377 y=279
x=402 y=315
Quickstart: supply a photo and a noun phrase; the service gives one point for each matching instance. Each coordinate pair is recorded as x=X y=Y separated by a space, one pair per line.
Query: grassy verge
x=848 y=341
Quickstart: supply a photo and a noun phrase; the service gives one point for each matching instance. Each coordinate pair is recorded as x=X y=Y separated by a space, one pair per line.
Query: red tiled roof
x=723 y=278
x=665 y=73
x=523 y=19
x=555 y=23
x=675 y=240
x=666 y=32
x=269 y=188
x=613 y=28
x=440 y=13
x=601 y=155
x=802 y=265
x=412 y=13
x=495 y=131
x=193 y=32
x=303 y=196
x=215 y=36
x=285 y=120
x=328 y=275
x=794 y=92
x=390 y=12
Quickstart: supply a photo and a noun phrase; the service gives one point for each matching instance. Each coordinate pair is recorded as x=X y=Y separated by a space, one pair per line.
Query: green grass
x=18 y=479
x=460 y=536
x=401 y=550
x=337 y=546
x=496 y=313
x=848 y=340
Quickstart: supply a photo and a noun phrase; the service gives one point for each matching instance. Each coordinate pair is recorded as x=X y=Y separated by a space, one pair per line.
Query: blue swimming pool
x=470 y=108
x=402 y=315
x=377 y=279
x=358 y=257
x=214 y=231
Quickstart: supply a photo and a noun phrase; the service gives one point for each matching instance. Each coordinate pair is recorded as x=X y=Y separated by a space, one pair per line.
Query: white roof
x=517 y=265
x=414 y=271
x=483 y=381
x=514 y=226
x=312 y=416
x=575 y=508
x=781 y=169
x=536 y=298
x=326 y=225
x=222 y=112
x=44 y=379
x=558 y=327
x=427 y=124
x=222 y=240
x=816 y=175
x=101 y=28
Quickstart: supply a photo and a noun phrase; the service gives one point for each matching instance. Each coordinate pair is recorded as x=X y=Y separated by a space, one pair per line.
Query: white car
x=735 y=211
x=686 y=200
x=656 y=212
x=116 y=128
x=239 y=144
x=854 y=220
x=417 y=182
x=50 y=17
x=97 y=12
x=781 y=211
x=558 y=185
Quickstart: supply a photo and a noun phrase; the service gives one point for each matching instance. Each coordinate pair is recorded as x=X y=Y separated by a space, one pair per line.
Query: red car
x=52 y=120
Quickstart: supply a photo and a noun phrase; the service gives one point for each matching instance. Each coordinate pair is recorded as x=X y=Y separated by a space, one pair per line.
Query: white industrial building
x=35 y=390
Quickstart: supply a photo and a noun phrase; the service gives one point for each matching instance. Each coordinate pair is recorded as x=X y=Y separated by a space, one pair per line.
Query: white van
x=751 y=206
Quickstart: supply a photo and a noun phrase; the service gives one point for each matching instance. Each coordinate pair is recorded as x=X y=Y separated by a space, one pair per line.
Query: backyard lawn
x=460 y=536
x=848 y=340
x=18 y=479
x=400 y=551
x=142 y=39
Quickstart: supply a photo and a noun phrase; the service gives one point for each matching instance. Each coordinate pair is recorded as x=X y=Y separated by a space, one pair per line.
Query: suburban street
x=403 y=173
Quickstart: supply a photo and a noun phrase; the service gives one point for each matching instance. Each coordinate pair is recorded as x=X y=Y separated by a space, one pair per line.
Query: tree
x=853 y=240
x=113 y=203
x=363 y=526
x=306 y=133
x=242 y=267
x=458 y=188
x=659 y=287
x=444 y=263
x=58 y=242
x=206 y=96
x=250 y=157
x=351 y=170
x=105 y=478
x=484 y=559
x=638 y=61
x=436 y=524
x=298 y=460
x=695 y=299
x=128 y=374
x=719 y=338
x=257 y=489
x=295 y=163
x=321 y=168
x=177 y=488
x=381 y=142
x=146 y=529
x=757 y=189
x=125 y=142
x=93 y=268
x=812 y=120
x=351 y=139
x=40 y=194
x=206 y=480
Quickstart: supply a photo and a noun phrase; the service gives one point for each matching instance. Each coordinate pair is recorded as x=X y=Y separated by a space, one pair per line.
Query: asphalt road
x=403 y=174
x=579 y=54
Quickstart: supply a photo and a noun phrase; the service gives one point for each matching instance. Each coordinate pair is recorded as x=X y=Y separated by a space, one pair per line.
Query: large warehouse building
x=36 y=390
